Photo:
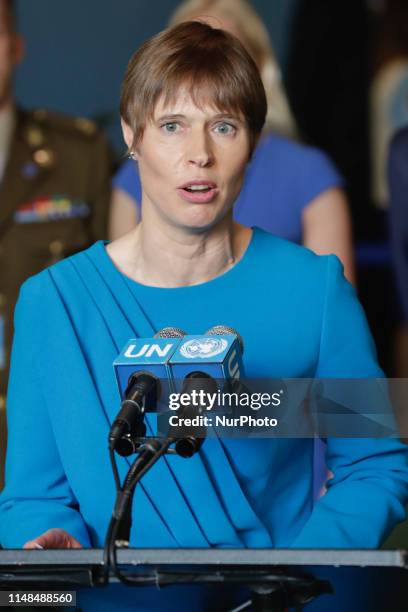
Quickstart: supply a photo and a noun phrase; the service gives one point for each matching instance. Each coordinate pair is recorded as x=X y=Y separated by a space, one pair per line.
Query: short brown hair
x=211 y=63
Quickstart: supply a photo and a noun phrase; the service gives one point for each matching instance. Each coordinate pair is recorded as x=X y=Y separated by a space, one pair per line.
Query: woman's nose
x=201 y=153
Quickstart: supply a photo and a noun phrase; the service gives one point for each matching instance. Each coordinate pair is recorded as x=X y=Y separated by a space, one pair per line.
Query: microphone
x=170 y=332
x=201 y=366
x=217 y=353
x=139 y=369
x=195 y=384
x=239 y=388
x=233 y=384
x=219 y=330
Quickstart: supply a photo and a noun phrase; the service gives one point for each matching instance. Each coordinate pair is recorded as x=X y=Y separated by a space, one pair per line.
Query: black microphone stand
x=273 y=592
x=149 y=451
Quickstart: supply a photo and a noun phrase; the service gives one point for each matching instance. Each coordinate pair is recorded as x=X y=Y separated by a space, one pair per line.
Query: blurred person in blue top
x=193 y=107
x=290 y=189
x=398 y=185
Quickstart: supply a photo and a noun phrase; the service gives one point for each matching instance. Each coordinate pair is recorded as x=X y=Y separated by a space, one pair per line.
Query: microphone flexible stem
x=123 y=505
x=114 y=468
x=111 y=533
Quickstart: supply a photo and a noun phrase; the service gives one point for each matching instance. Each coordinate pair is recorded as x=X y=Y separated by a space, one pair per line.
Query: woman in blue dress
x=193 y=107
x=291 y=190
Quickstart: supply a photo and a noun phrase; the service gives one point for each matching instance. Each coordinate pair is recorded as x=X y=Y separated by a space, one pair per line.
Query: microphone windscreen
x=170 y=332
x=218 y=330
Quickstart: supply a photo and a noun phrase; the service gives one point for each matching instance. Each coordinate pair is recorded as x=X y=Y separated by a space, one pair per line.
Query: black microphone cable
x=153 y=451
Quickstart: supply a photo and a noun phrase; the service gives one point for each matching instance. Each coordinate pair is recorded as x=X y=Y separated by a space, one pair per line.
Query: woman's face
x=191 y=162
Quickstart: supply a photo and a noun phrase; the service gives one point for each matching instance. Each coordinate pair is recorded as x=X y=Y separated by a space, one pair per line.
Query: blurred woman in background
x=388 y=92
x=290 y=190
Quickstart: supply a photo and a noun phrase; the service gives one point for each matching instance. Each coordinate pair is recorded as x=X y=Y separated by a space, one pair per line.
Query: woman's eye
x=170 y=127
x=225 y=128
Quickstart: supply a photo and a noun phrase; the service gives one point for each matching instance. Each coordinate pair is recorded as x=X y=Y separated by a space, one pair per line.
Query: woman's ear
x=128 y=136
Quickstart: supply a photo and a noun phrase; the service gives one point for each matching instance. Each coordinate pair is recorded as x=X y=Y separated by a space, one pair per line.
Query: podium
x=277 y=578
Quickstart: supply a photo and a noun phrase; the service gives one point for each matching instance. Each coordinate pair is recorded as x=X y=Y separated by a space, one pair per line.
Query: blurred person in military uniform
x=54 y=192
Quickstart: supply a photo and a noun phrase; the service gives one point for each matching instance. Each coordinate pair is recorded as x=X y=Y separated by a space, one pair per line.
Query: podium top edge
x=208 y=556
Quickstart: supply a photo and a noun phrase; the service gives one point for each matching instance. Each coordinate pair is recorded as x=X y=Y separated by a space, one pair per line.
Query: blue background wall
x=77 y=50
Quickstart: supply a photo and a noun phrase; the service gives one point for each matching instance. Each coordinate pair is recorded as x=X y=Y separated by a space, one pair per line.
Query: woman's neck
x=172 y=257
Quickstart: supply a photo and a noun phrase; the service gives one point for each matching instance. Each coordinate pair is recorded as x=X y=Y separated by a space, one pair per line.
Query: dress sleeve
x=37 y=495
x=127 y=179
x=366 y=496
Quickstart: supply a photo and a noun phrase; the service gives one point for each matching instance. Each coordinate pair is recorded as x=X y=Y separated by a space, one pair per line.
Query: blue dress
x=282 y=178
x=298 y=316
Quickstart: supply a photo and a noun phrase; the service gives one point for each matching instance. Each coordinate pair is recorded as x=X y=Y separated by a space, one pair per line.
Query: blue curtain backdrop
x=76 y=52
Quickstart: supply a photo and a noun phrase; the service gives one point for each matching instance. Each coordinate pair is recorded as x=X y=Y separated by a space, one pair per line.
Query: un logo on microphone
x=203 y=348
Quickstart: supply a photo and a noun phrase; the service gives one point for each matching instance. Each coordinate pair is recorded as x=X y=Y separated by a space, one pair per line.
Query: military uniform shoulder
x=50 y=120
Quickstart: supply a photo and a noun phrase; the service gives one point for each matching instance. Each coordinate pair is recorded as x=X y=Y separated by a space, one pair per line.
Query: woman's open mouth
x=198 y=191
